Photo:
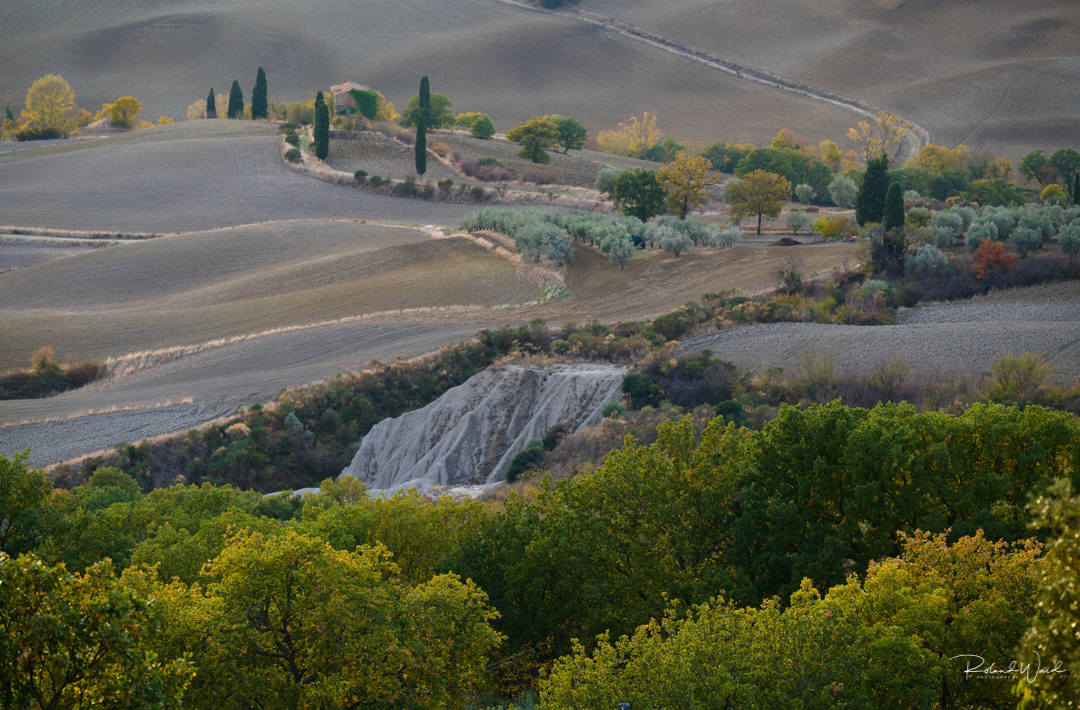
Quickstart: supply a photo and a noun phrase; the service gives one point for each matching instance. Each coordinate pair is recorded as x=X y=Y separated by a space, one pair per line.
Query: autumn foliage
x=991 y=256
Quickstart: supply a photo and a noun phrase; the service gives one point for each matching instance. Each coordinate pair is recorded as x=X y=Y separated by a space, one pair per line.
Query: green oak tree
x=637 y=193
x=533 y=136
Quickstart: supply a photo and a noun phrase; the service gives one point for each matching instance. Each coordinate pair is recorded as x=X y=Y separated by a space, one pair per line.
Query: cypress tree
x=236 y=101
x=894 y=207
x=322 y=127
x=1076 y=184
x=258 y=96
x=870 y=203
x=211 y=105
x=423 y=114
x=10 y=117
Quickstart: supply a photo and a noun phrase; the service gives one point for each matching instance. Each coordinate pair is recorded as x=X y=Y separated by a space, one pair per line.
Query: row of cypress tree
x=259 y=102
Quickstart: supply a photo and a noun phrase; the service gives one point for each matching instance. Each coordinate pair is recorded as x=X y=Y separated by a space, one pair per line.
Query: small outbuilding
x=342 y=99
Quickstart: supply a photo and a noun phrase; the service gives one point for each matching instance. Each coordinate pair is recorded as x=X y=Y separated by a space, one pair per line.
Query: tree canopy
x=259 y=101
x=572 y=134
x=49 y=103
x=533 y=136
x=759 y=193
x=236 y=101
x=439 y=114
x=124 y=112
x=870 y=203
x=686 y=180
x=637 y=193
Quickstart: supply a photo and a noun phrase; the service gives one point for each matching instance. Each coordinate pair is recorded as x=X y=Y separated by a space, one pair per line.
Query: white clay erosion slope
x=469 y=435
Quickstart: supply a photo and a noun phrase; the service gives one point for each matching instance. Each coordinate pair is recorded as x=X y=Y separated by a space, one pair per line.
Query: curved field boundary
x=917 y=139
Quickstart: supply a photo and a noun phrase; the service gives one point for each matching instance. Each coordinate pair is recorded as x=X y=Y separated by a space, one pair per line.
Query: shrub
x=613 y=410
x=603 y=179
x=440 y=149
x=991 y=256
x=805 y=193
x=834 y=227
x=376 y=180
x=27 y=133
x=405 y=188
x=444 y=186
x=483 y=128
x=979 y=232
x=537 y=177
x=293 y=156
x=528 y=458
x=1069 y=240
x=1018 y=377
x=477 y=193
x=288 y=127
x=918 y=217
x=490 y=171
x=292 y=138
x=843 y=191
x=359 y=175
x=798 y=219
x=925 y=261
x=1025 y=240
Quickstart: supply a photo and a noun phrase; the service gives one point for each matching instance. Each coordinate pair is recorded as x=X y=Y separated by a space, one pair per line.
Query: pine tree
x=421 y=126
x=322 y=127
x=236 y=101
x=870 y=203
x=258 y=96
x=894 y=207
x=211 y=105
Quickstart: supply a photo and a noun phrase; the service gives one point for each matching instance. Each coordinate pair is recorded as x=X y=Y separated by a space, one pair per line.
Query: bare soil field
x=506 y=61
x=181 y=178
x=993 y=74
x=198 y=287
x=963 y=337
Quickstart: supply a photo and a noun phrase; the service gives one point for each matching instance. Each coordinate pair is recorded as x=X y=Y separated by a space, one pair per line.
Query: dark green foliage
x=26 y=517
x=798 y=167
x=258 y=96
x=49 y=380
x=528 y=458
x=638 y=194
x=236 y=101
x=476 y=193
x=406 y=188
x=322 y=127
x=894 y=207
x=939 y=186
x=423 y=116
x=1067 y=162
x=211 y=105
x=692 y=381
x=1076 y=190
x=7 y=113
x=664 y=151
x=483 y=128
x=639 y=390
x=292 y=138
x=360 y=175
x=366 y=102
x=725 y=156
x=293 y=155
x=572 y=134
x=870 y=204
x=28 y=133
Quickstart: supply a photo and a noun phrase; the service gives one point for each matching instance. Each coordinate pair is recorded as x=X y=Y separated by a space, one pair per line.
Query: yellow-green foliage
x=834 y=227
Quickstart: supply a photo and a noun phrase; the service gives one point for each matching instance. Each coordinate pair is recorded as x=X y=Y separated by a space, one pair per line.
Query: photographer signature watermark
x=976 y=666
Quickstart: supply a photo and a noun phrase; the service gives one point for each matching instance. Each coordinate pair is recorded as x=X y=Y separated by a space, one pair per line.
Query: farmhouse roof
x=342 y=98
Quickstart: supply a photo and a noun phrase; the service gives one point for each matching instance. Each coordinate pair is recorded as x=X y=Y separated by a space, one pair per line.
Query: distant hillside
x=997 y=75
x=487 y=56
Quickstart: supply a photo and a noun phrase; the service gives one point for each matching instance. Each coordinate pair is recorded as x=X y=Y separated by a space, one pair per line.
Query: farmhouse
x=342 y=99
